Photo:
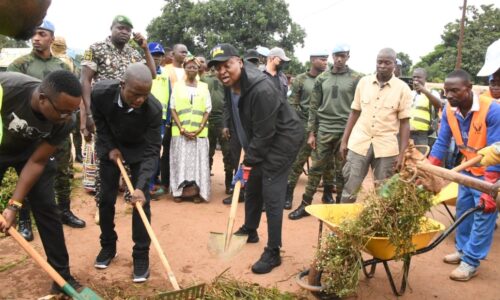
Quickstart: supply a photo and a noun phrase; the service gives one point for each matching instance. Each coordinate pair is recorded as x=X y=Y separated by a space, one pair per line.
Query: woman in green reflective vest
x=189 y=162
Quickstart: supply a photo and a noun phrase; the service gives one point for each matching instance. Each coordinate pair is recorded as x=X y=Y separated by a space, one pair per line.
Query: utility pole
x=461 y=37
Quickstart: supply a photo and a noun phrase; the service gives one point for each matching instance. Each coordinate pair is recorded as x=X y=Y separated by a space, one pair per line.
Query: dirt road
x=183 y=230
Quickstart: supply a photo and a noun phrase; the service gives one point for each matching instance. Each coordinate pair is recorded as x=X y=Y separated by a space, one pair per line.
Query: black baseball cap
x=252 y=55
x=222 y=52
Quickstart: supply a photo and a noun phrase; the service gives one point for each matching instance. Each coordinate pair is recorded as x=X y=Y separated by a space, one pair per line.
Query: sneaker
x=56 y=289
x=453 y=258
x=155 y=195
x=463 y=272
x=141 y=269
x=253 y=236
x=269 y=260
x=105 y=257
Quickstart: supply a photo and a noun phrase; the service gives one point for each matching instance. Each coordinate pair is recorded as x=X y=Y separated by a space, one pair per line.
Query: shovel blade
x=85 y=294
x=217 y=241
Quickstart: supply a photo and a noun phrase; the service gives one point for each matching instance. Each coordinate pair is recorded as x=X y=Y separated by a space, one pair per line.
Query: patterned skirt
x=189 y=162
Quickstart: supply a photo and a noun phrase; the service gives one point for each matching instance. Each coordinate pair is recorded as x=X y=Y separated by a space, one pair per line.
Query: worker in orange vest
x=474 y=124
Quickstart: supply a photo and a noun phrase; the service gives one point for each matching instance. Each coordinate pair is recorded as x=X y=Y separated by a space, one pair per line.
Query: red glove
x=434 y=160
x=246 y=172
x=487 y=200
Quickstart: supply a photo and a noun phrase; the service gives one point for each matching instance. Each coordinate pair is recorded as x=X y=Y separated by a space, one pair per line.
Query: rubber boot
x=289 y=197
x=327 y=195
x=300 y=212
x=24 y=226
x=229 y=179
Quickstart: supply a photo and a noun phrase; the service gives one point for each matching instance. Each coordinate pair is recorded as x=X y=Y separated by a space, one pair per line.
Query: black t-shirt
x=23 y=128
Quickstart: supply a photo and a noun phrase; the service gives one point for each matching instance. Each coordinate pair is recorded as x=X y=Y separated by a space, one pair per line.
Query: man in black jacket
x=128 y=121
x=270 y=133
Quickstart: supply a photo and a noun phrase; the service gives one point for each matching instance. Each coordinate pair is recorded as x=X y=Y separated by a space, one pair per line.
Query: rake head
x=190 y=293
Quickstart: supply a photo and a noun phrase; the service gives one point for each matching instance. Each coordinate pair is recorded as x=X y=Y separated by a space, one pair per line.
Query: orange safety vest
x=477 y=133
x=487 y=95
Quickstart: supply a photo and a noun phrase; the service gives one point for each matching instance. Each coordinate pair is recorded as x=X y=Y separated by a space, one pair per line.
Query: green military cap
x=122 y=20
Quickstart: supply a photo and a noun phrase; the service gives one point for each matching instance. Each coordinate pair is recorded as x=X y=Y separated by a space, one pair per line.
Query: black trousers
x=107 y=198
x=165 y=157
x=47 y=215
x=261 y=189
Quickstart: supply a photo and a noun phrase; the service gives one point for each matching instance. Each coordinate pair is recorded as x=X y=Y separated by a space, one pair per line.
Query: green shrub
x=7 y=185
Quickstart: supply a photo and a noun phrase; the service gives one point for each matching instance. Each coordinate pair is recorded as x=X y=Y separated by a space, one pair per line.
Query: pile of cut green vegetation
x=394 y=210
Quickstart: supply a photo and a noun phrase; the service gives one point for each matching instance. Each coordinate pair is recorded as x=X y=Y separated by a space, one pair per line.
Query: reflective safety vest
x=190 y=111
x=487 y=95
x=420 y=119
x=477 y=133
x=1 y=125
x=161 y=90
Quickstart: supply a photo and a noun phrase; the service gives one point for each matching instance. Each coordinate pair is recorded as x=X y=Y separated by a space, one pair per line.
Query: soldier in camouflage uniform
x=329 y=109
x=299 y=99
x=39 y=63
x=215 y=126
x=109 y=59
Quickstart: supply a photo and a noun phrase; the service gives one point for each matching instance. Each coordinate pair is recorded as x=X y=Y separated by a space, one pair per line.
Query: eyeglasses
x=62 y=114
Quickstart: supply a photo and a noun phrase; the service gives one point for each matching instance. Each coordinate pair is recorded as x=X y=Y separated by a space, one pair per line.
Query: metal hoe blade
x=194 y=292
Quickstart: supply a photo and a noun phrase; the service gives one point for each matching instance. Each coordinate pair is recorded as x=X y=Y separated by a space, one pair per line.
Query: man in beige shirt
x=380 y=111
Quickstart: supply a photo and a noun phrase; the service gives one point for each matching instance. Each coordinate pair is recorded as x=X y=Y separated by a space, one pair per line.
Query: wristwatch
x=14 y=205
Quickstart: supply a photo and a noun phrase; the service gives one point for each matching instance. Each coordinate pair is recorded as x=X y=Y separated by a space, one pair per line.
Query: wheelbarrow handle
x=149 y=229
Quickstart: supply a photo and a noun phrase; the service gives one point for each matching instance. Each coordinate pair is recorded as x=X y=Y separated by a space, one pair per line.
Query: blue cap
x=341 y=48
x=319 y=53
x=155 y=48
x=47 y=25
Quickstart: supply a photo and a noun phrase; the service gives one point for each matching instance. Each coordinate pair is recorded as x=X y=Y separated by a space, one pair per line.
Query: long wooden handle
x=234 y=208
x=459 y=178
x=467 y=164
x=35 y=255
x=149 y=229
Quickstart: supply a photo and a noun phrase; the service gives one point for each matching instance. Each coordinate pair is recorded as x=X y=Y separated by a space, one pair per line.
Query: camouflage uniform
x=329 y=110
x=215 y=126
x=109 y=62
x=299 y=99
x=35 y=66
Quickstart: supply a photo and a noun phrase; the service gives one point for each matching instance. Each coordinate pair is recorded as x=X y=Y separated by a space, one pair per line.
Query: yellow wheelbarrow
x=379 y=248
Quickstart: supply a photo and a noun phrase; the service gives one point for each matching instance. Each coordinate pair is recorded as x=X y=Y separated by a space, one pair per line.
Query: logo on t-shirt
x=20 y=127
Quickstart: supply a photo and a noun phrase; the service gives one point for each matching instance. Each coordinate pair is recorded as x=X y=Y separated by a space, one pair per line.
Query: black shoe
x=141 y=269
x=25 y=230
x=105 y=257
x=229 y=199
x=253 y=236
x=289 y=197
x=56 y=289
x=228 y=181
x=269 y=260
x=327 y=195
x=299 y=213
x=68 y=218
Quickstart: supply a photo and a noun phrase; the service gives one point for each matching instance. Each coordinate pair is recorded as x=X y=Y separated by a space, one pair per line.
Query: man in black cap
x=270 y=133
x=252 y=56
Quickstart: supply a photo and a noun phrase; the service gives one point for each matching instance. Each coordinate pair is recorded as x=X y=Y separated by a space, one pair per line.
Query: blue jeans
x=475 y=234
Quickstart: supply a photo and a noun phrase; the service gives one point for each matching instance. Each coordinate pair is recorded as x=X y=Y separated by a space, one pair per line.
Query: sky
x=413 y=27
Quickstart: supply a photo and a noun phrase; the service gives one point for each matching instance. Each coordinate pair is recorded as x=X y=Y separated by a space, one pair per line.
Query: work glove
x=491 y=155
x=487 y=200
x=241 y=175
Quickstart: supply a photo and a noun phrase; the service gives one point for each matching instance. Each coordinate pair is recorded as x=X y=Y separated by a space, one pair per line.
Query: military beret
x=47 y=25
x=341 y=48
x=319 y=53
x=122 y=20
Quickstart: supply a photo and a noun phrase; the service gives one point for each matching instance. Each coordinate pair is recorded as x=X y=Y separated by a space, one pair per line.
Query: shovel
x=193 y=292
x=226 y=245
x=85 y=294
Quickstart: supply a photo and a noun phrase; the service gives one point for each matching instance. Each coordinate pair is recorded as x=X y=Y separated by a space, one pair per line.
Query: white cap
x=276 y=51
x=264 y=51
x=492 y=60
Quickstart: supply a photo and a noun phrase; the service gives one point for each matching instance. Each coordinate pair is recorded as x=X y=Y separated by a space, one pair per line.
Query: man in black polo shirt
x=128 y=121
x=276 y=61
x=37 y=116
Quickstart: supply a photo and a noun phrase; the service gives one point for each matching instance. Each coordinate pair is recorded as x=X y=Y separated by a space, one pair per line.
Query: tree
x=7 y=42
x=242 y=23
x=482 y=27
x=407 y=63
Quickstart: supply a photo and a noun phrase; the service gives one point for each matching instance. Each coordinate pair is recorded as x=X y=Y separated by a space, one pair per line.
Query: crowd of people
x=164 y=111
